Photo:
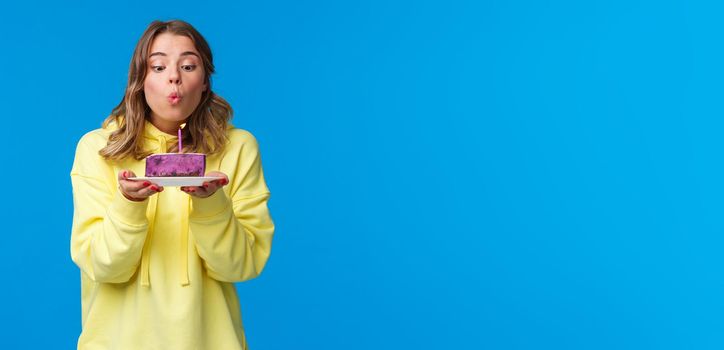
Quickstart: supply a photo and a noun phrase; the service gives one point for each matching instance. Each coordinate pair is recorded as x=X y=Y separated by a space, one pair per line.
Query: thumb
x=124 y=174
x=218 y=174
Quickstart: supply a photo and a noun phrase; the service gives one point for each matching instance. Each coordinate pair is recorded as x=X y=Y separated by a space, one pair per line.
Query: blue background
x=444 y=174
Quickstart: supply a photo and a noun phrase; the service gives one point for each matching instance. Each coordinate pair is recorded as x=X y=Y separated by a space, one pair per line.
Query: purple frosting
x=176 y=164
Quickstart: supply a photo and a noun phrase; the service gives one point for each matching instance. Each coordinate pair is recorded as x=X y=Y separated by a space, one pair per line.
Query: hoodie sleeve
x=108 y=231
x=233 y=232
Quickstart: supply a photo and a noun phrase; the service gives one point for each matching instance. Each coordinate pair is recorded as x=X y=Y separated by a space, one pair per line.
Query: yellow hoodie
x=159 y=274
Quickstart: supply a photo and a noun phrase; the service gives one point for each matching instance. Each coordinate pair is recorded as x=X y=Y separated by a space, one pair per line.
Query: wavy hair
x=205 y=130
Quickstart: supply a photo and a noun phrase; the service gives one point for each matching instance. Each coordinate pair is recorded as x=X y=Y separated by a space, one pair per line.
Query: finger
x=210 y=186
x=201 y=193
x=199 y=190
x=155 y=188
x=146 y=191
x=219 y=182
x=196 y=191
x=124 y=174
x=223 y=178
x=123 y=178
x=140 y=185
x=135 y=185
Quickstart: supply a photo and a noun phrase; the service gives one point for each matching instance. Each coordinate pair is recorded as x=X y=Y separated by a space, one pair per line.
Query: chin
x=177 y=116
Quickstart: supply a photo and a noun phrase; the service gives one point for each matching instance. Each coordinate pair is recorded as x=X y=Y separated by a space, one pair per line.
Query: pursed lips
x=174 y=97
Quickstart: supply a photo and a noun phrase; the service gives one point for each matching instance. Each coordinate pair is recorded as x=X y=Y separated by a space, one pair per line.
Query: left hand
x=209 y=187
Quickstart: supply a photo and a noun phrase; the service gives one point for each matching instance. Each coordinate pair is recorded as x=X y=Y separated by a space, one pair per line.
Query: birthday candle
x=180 y=144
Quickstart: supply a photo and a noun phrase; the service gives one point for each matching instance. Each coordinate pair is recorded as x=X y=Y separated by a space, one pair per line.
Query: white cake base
x=178 y=180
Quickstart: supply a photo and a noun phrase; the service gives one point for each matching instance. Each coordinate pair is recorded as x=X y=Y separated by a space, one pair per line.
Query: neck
x=168 y=126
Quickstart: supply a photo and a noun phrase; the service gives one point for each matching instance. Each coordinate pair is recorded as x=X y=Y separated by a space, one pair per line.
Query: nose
x=174 y=77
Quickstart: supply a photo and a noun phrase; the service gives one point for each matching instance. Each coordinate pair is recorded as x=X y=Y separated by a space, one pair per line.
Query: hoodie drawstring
x=184 y=236
x=185 y=241
x=145 y=280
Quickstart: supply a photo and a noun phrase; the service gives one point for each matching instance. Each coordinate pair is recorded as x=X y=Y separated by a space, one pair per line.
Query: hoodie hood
x=159 y=141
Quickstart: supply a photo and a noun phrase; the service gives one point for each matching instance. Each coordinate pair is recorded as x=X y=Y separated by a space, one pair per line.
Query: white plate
x=178 y=180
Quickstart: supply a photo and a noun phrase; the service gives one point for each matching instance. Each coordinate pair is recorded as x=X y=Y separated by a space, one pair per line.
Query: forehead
x=171 y=45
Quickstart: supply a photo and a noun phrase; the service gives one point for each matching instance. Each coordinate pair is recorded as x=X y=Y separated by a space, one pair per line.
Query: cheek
x=195 y=80
x=197 y=84
x=150 y=86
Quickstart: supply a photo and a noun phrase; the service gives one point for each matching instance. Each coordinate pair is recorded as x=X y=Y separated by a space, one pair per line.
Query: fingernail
x=206 y=185
x=124 y=174
x=146 y=183
x=192 y=190
x=154 y=188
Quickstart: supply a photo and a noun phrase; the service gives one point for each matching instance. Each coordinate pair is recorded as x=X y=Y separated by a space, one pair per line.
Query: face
x=174 y=81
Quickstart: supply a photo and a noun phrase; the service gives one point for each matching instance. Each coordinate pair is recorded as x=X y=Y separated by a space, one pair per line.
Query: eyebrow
x=185 y=53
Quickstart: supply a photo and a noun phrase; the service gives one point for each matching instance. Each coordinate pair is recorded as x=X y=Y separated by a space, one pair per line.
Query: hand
x=207 y=188
x=136 y=190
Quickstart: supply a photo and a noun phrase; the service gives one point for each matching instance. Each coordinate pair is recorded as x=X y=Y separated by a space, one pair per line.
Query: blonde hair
x=205 y=130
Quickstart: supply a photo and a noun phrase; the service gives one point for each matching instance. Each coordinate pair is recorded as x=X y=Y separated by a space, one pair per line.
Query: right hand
x=136 y=190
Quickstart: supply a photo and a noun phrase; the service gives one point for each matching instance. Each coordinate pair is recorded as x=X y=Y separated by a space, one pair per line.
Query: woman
x=158 y=265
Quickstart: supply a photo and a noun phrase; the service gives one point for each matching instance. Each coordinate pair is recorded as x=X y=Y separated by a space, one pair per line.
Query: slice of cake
x=176 y=164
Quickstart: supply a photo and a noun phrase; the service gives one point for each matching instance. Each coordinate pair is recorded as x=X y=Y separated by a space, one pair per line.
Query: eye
x=153 y=68
x=189 y=67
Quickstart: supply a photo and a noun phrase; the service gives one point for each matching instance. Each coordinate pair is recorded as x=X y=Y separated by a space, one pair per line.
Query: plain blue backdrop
x=444 y=174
